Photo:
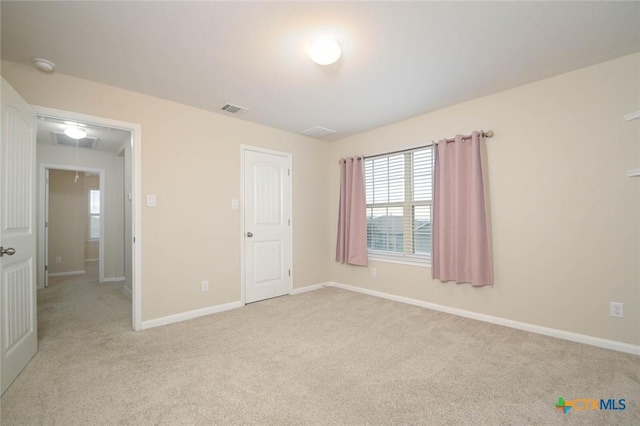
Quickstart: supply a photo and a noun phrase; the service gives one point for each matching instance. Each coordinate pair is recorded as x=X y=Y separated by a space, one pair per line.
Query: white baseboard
x=112 y=279
x=306 y=289
x=170 y=319
x=91 y=260
x=552 y=332
x=64 y=274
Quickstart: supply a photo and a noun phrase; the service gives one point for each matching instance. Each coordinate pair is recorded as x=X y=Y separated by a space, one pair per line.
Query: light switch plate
x=151 y=200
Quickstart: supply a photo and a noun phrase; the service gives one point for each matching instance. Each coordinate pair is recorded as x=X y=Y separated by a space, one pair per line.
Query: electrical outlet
x=58 y=259
x=616 y=309
x=374 y=272
x=205 y=285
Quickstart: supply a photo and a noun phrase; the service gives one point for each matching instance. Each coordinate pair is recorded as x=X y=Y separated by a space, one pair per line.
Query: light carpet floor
x=325 y=357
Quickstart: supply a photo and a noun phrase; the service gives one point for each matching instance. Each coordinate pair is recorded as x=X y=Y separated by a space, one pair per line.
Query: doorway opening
x=73 y=228
x=104 y=167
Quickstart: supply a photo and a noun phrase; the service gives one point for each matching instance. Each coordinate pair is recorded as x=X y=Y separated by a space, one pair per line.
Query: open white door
x=267 y=224
x=19 y=341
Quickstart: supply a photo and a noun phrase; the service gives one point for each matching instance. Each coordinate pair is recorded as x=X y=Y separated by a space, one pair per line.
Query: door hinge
x=289 y=272
x=46 y=224
x=289 y=222
x=46 y=267
x=288 y=172
x=134 y=239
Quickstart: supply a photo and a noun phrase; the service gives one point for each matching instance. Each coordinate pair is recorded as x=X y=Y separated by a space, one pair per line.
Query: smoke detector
x=44 y=65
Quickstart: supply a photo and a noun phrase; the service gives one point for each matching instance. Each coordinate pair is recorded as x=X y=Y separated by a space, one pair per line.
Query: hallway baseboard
x=66 y=274
x=112 y=279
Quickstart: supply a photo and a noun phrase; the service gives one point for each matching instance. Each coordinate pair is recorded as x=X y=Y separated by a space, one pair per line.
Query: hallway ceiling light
x=75 y=132
x=325 y=51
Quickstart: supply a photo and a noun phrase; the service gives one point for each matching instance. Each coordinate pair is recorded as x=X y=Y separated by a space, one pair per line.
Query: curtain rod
x=487 y=134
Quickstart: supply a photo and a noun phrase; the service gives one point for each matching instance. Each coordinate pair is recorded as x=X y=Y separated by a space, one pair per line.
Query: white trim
x=65 y=274
x=307 y=288
x=632 y=116
x=552 y=332
x=136 y=205
x=633 y=173
x=170 y=319
x=112 y=280
x=242 y=231
x=289 y=157
x=91 y=260
x=402 y=260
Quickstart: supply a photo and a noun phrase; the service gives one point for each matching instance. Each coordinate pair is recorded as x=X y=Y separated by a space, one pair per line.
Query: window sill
x=402 y=260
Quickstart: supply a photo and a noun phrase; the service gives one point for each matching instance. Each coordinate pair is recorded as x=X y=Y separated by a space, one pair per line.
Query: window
x=94 y=214
x=399 y=198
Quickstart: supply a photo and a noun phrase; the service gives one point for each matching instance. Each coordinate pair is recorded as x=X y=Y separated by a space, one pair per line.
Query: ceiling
x=400 y=59
x=99 y=138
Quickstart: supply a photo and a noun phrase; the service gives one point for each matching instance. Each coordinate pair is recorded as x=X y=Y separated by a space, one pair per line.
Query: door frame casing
x=136 y=202
x=289 y=157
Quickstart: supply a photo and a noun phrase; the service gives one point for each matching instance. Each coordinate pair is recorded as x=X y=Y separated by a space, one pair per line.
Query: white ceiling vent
x=234 y=109
x=62 y=139
x=318 y=132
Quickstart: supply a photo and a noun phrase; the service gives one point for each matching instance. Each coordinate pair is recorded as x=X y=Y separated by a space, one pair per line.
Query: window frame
x=408 y=205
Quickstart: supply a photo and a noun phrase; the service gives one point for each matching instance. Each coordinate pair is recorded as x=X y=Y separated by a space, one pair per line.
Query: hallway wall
x=67 y=222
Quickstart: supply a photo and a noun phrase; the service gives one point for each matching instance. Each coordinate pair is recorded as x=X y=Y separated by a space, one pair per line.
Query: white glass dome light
x=325 y=51
x=75 y=132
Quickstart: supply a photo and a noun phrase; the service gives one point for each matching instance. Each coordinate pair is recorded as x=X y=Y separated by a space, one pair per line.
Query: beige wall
x=191 y=162
x=67 y=221
x=565 y=217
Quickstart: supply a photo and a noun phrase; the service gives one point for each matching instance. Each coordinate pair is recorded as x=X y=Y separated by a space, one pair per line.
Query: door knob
x=249 y=234
x=8 y=251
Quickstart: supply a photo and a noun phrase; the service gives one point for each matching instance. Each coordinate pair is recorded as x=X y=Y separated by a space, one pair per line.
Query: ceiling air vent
x=318 y=132
x=62 y=139
x=234 y=109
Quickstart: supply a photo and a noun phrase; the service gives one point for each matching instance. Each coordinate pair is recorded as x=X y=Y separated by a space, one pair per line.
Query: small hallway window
x=94 y=214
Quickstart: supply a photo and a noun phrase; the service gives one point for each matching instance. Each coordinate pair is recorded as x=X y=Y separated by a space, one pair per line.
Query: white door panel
x=18 y=342
x=267 y=209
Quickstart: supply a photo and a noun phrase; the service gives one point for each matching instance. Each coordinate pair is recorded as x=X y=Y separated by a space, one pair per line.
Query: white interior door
x=18 y=342
x=267 y=224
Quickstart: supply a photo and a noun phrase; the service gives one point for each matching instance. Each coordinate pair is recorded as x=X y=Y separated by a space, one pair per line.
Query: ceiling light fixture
x=44 y=65
x=75 y=132
x=325 y=51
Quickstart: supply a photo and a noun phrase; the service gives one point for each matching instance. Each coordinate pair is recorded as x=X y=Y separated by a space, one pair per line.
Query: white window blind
x=399 y=198
x=94 y=214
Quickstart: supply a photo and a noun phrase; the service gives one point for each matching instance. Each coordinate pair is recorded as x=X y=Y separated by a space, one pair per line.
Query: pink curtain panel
x=351 y=247
x=461 y=229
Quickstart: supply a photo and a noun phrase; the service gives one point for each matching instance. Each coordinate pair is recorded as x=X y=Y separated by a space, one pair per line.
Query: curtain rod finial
x=488 y=133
